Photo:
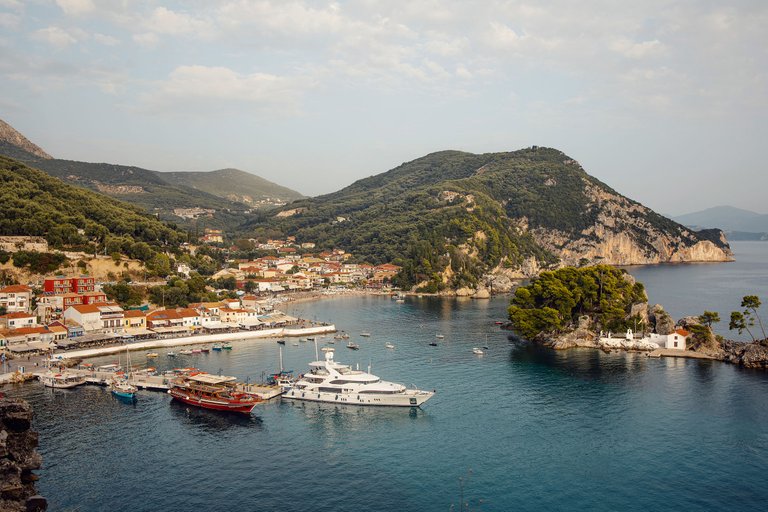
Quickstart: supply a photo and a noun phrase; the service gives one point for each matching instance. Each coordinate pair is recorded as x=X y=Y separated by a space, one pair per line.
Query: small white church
x=675 y=340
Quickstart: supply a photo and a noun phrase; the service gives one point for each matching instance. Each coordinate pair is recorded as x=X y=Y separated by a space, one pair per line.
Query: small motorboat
x=365 y=334
x=152 y=354
x=227 y=346
x=205 y=350
x=439 y=336
x=311 y=338
x=477 y=351
x=281 y=342
x=432 y=343
x=216 y=347
x=295 y=344
x=171 y=354
x=185 y=352
x=197 y=351
x=389 y=345
x=353 y=345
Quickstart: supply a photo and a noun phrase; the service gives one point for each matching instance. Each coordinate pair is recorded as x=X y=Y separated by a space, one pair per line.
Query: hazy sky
x=665 y=101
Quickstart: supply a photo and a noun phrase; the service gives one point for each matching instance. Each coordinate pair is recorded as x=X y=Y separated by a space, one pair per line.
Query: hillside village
x=77 y=312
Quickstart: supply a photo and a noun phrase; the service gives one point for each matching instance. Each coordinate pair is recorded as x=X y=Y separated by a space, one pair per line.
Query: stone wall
x=18 y=458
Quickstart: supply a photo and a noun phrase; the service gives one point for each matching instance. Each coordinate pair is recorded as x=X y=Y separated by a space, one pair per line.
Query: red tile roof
x=15 y=288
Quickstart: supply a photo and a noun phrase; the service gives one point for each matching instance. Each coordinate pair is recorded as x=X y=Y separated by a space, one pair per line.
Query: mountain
x=235 y=185
x=36 y=204
x=450 y=218
x=12 y=141
x=222 y=199
x=727 y=218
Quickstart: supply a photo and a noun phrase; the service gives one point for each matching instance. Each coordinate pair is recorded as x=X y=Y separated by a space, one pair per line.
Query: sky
x=665 y=101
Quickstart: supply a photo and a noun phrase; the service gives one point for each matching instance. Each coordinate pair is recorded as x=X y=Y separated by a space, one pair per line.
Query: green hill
x=231 y=194
x=235 y=185
x=451 y=218
x=36 y=204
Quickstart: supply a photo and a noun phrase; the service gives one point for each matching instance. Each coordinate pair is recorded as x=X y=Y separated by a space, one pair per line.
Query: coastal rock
x=464 y=292
x=754 y=355
x=661 y=321
x=640 y=310
x=18 y=458
x=482 y=293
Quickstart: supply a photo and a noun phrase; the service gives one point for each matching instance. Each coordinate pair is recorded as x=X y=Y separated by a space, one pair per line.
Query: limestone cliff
x=627 y=233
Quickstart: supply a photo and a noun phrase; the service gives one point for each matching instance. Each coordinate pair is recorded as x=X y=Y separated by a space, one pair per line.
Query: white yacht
x=329 y=381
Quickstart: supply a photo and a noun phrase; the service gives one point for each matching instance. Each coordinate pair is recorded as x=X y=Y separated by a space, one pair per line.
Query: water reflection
x=335 y=418
x=212 y=422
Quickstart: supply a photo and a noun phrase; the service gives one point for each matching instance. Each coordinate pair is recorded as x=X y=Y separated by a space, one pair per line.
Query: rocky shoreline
x=18 y=458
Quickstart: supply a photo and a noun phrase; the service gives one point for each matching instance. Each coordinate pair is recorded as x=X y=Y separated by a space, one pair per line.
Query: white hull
x=409 y=398
x=61 y=381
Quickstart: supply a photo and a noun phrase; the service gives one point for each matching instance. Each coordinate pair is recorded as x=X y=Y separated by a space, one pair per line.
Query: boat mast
x=281 y=358
x=317 y=354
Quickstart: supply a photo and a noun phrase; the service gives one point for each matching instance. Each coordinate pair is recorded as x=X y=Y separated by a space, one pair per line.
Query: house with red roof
x=16 y=298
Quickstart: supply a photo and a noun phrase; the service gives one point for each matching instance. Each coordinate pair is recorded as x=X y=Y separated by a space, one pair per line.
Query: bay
x=519 y=428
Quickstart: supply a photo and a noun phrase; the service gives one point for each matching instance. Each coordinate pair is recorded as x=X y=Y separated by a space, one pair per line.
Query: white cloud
x=9 y=20
x=197 y=85
x=640 y=50
x=166 y=21
x=146 y=39
x=58 y=37
x=106 y=40
x=76 y=7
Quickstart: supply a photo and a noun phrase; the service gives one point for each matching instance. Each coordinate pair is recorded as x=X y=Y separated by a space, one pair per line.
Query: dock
x=162 y=383
x=670 y=352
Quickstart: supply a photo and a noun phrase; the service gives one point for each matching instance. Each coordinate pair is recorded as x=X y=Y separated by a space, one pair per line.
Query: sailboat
x=122 y=388
x=284 y=378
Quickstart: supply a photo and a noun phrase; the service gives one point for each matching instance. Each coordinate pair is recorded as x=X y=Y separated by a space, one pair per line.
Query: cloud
x=146 y=39
x=640 y=50
x=9 y=20
x=58 y=37
x=202 y=86
x=105 y=39
x=75 y=7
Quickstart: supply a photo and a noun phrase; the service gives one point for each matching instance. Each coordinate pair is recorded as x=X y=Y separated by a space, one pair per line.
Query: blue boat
x=216 y=347
x=123 y=390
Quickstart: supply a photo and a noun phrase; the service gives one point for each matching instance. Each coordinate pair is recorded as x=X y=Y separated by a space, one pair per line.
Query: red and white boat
x=217 y=392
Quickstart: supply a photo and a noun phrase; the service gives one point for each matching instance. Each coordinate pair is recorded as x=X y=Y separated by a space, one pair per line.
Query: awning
x=218 y=326
x=139 y=332
x=172 y=328
x=250 y=322
x=32 y=346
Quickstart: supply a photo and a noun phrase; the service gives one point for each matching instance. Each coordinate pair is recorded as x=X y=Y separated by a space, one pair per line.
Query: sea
x=518 y=428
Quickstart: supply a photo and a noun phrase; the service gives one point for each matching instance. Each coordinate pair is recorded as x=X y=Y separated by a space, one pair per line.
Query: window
x=675 y=344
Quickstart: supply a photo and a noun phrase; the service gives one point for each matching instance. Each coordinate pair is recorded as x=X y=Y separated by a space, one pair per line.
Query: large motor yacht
x=329 y=381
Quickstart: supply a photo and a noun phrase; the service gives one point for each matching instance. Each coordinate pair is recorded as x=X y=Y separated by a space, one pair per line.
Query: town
x=67 y=312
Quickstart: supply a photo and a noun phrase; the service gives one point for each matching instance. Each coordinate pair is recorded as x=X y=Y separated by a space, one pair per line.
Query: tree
x=709 y=317
x=740 y=323
x=751 y=303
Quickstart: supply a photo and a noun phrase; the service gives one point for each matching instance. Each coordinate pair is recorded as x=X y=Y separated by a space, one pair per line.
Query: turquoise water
x=519 y=428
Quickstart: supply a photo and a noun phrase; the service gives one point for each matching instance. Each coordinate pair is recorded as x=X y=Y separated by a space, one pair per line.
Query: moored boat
x=63 y=380
x=477 y=351
x=353 y=345
x=365 y=334
x=123 y=389
x=217 y=392
x=389 y=345
x=216 y=347
x=227 y=346
x=330 y=381
x=152 y=354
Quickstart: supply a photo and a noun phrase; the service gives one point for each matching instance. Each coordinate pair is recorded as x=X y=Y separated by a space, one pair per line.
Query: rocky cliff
x=627 y=233
x=11 y=136
x=18 y=458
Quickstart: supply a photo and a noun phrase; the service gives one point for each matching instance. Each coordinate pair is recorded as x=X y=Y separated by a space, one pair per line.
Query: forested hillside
x=34 y=203
x=451 y=217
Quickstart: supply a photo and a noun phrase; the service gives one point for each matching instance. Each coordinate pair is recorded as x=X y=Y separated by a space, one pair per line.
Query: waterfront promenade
x=29 y=364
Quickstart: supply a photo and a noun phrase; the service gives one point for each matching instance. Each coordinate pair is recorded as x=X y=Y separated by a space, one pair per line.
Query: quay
x=152 y=383
x=162 y=383
x=667 y=352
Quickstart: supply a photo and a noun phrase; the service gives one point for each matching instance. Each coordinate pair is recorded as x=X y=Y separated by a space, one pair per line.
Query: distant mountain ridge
x=450 y=218
x=727 y=218
x=229 y=193
x=235 y=185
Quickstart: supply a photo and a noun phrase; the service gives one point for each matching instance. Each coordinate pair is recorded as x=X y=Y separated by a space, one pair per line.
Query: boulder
x=482 y=293
x=640 y=310
x=464 y=292
x=661 y=321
